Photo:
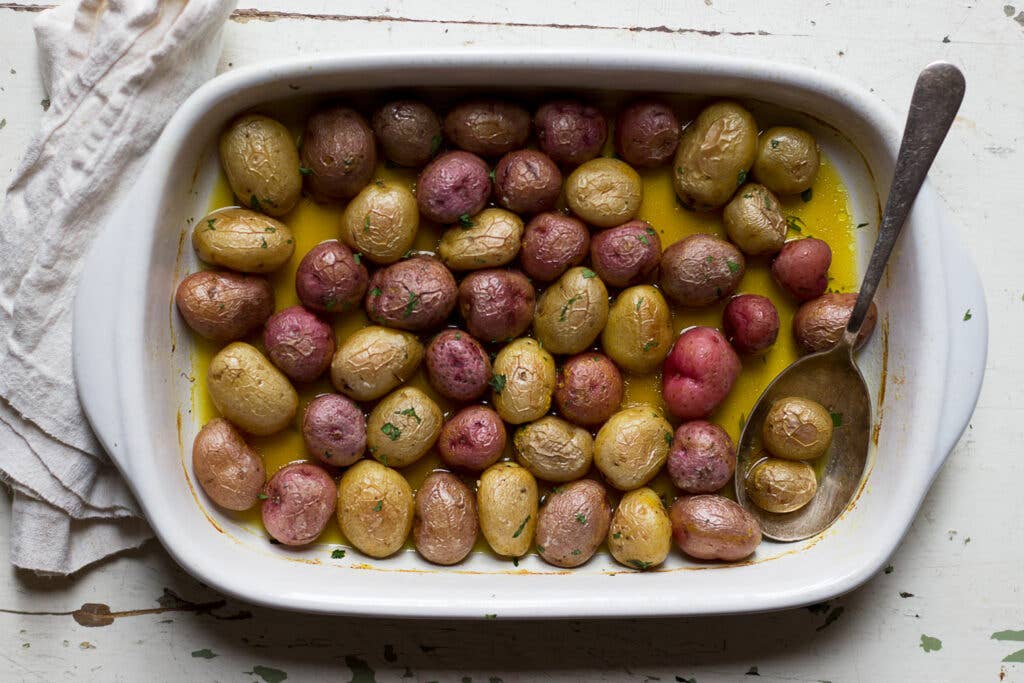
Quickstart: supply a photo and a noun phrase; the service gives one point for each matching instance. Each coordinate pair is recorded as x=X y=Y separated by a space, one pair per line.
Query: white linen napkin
x=115 y=70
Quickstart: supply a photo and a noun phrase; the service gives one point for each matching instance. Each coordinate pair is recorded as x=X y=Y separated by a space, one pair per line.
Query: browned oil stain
x=880 y=406
x=246 y=15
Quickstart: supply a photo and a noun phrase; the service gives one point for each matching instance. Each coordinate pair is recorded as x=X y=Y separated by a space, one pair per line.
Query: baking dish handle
x=968 y=337
x=98 y=331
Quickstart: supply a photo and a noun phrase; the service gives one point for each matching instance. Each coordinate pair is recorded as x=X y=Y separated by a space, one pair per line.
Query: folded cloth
x=115 y=70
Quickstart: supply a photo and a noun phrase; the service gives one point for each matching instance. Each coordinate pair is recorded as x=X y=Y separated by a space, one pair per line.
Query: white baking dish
x=132 y=355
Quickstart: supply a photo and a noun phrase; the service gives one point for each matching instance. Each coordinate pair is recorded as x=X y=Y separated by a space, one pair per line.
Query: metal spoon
x=831 y=377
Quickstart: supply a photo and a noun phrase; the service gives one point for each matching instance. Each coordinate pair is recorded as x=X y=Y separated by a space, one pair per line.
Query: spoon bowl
x=832 y=377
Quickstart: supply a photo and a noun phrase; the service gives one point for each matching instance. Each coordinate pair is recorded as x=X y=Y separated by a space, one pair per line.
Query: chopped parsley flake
x=643 y=239
x=649 y=345
x=391 y=431
x=967 y=315
x=733 y=266
x=366 y=223
x=210 y=223
x=497 y=383
x=862 y=225
x=466 y=221
x=262 y=496
x=565 y=308
x=270 y=228
x=409 y=412
x=775 y=143
x=337 y=554
x=639 y=302
x=521 y=527
x=357 y=257
x=378 y=506
x=254 y=202
x=795 y=223
x=617 y=535
x=640 y=564
x=588 y=273
x=435 y=144
x=305 y=171
x=669 y=438
x=581 y=518
x=375 y=291
x=263 y=244
x=410 y=306
x=741 y=177
x=837 y=419
x=807 y=194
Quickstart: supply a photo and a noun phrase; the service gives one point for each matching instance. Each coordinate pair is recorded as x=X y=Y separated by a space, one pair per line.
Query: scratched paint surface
x=960 y=565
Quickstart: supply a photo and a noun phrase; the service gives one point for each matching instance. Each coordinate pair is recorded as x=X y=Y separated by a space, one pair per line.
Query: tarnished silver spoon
x=832 y=377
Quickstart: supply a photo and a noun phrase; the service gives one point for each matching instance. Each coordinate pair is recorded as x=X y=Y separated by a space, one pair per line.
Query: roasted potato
x=626 y=255
x=453 y=185
x=300 y=500
x=489 y=239
x=570 y=132
x=228 y=471
x=497 y=305
x=472 y=439
x=298 y=343
x=527 y=182
x=714 y=155
x=243 y=240
x=554 y=450
x=638 y=335
x=338 y=152
x=588 y=389
x=819 y=323
x=604 y=192
x=553 y=243
x=458 y=367
x=330 y=278
x=702 y=459
x=797 y=429
x=416 y=294
x=403 y=427
x=224 y=306
x=632 y=446
x=375 y=508
x=640 y=534
x=701 y=269
x=750 y=323
x=409 y=132
x=573 y=523
x=445 y=524
x=571 y=312
x=488 y=127
x=780 y=486
x=754 y=221
x=713 y=528
x=801 y=268
x=698 y=373
x=524 y=377
x=334 y=430
x=373 y=361
x=647 y=133
x=507 y=502
x=249 y=391
x=262 y=165
x=381 y=222
x=787 y=160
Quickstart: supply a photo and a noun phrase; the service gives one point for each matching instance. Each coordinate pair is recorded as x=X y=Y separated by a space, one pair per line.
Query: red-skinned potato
x=626 y=255
x=647 y=133
x=702 y=459
x=416 y=294
x=570 y=132
x=488 y=127
x=552 y=243
x=527 y=181
x=300 y=500
x=711 y=527
x=334 y=430
x=801 y=268
x=588 y=389
x=339 y=151
x=698 y=373
x=227 y=469
x=472 y=439
x=750 y=323
x=330 y=278
x=819 y=323
x=445 y=525
x=224 y=306
x=454 y=184
x=496 y=304
x=457 y=365
x=299 y=343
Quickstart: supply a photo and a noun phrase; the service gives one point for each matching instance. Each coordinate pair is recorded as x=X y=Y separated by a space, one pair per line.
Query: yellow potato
x=778 y=485
x=571 y=312
x=375 y=508
x=797 y=429
x=524 y=379
x=507 y=501
x=403 y=427
x=553 y=449
x=604 y=192
x=249 y=391
x=227 y=469
x=261 y=162
x=381 y=222
x=373 y=361
x=243 y=240
x=640 y=534
x=714 y=155
x=787 y=160
x=489 y=239
x=632 y=446
x=638 y=335
x=754 y=221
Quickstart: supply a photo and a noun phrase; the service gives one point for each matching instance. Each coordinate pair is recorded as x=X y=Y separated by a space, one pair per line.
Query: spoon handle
x=936 y=99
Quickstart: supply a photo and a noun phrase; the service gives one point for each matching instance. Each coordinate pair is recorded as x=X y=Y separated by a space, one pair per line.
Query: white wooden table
x=945 y=611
